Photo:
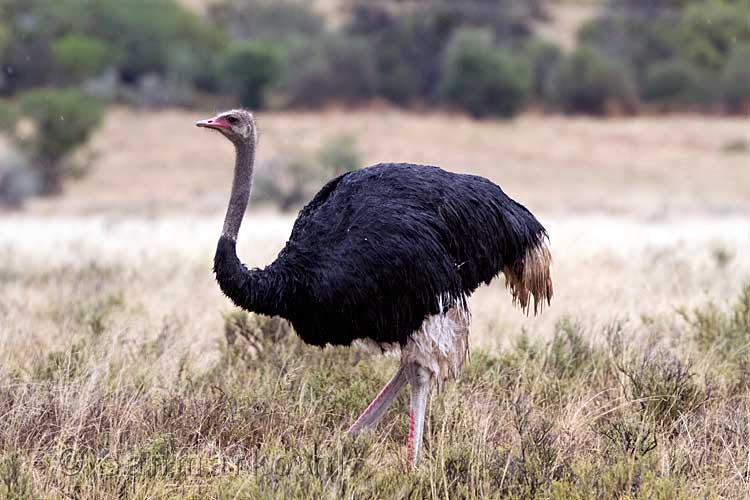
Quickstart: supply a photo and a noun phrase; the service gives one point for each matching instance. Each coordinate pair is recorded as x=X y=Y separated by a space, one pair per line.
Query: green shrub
x=674 y=82
x=482 y=79
x=710 y=29
x=671 y=48
x=735 y=80
x=408 y=57
x=307 y=53
x=30 y=26
x=293 y=179
x=506 y=19
x=726 y=332
x=63 y=120
x=543 y=58
x=81 y=56
x=61 y=365
x=95 y=317
x=662 y=386
x=334 y=68
x=569 y=354
x=149 y=34
x=633 y=38
x=587 y=82
x=16 y=481
x=141 y=36
x=249 y=69
x=4 y=37
x=339 y=155
x=8 y=116
x=409 y=40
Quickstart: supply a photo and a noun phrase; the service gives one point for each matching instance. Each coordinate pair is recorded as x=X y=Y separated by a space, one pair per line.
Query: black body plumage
x=379 y=249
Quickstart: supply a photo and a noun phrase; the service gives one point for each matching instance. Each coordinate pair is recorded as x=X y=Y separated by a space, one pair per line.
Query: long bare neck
x=241 y=185
x=259 y=290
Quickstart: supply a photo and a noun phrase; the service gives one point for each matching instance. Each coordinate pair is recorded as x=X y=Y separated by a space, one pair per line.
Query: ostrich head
x=237 y=125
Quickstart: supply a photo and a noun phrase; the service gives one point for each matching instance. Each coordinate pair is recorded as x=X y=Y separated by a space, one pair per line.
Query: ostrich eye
x=232 y=119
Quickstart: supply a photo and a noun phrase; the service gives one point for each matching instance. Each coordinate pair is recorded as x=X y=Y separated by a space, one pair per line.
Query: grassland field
x=125 y=373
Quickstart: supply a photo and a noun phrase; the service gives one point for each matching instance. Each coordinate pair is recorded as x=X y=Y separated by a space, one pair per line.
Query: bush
x=727 y=332
x=339 y=155
x=663 y=386
x=336 y=68
x=587 y=82
x=543 y=58
x=145 y=36
x=408 y=58
x=735 y=80
x=81 y=56
x=506 y=19
x=8 y=116
x=409 y=39
x=673 y=82
x=292 y=180
x=63 y=120
x=651 y=37
x=482 y=79
x=249 y=69
x=709 y=30
x=150 y=34
x=632 y=38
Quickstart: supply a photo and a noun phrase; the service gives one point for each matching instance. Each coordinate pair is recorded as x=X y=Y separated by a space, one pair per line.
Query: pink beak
x=214 y=123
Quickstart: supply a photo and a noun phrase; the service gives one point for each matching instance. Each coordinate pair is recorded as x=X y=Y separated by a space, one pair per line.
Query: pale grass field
x=606 y=268
x=653 y=167
x=647 y=216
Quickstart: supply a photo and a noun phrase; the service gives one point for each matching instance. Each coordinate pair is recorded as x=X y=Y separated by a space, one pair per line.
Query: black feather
x=379 y=249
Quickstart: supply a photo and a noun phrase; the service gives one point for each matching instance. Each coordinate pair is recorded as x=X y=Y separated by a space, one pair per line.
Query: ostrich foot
x=380 y=404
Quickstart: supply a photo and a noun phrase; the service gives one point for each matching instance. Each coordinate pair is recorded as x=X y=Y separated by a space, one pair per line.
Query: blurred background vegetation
x=62 y=62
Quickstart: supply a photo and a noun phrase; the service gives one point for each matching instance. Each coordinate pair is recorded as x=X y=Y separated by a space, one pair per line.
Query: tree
x=587 y=81
x=249 y=69
x=482 y=79
x=62 y=121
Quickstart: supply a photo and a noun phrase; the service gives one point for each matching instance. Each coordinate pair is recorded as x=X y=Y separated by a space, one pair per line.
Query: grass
x=120 y=377
x=568 y=418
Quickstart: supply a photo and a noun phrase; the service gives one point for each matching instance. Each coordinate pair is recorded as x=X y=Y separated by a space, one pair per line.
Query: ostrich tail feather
x=530 y=277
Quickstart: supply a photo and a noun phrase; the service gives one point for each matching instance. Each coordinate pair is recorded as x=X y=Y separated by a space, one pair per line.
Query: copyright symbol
x=71 y=463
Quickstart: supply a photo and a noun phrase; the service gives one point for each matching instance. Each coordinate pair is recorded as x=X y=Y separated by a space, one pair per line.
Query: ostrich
x=387 y=257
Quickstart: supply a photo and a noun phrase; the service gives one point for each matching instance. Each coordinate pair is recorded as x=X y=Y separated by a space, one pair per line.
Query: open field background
x=117 y=378
x=653 y=167
x=644 y=214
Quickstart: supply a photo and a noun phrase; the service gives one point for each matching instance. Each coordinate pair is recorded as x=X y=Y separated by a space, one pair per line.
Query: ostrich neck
x=252 y=289
x=241 y=185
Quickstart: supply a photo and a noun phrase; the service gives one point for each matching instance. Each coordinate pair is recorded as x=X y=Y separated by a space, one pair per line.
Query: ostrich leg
x=419 y=380
x=380 y=404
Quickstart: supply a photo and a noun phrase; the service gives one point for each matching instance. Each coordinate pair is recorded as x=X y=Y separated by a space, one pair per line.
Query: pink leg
x=419 y=379
x=410 y=440
x=380 y=404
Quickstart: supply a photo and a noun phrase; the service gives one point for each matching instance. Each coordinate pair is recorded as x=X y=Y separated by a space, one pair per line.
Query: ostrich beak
x=214 y=123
